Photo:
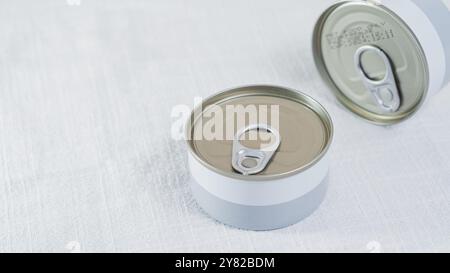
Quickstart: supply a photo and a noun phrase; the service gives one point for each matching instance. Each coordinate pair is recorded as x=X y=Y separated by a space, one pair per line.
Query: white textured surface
x=86 y=157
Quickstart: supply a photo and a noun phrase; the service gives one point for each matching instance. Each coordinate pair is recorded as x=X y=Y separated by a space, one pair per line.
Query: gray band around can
x=259 y=218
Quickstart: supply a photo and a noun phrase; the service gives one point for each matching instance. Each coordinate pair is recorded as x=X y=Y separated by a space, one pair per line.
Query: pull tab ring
x=259 y=158
x=385 y=92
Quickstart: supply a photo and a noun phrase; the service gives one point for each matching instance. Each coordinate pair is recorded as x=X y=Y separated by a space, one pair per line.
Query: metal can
x=383 y=59
x=245 y=184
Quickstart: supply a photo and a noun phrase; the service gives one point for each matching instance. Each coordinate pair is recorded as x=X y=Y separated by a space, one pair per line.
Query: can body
x=411 y=38
x=259 y=206
x=289 y=189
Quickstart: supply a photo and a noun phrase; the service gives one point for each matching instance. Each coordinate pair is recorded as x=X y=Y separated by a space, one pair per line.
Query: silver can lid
x=372 y=60
x=303 y=132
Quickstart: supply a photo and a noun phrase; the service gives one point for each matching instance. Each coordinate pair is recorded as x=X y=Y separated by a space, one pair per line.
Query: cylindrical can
x=239 y=183
x=383 y=59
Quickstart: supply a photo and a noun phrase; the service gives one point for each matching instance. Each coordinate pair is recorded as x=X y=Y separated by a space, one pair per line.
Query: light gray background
x=86 y=158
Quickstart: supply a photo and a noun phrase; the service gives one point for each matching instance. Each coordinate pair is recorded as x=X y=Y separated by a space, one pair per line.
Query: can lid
x=302 y=128
x=372 y=60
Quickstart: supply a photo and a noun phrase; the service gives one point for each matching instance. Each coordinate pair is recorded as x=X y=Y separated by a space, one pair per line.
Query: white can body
x=259 y=205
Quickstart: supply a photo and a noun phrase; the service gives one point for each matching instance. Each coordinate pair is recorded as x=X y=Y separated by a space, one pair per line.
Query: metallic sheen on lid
x=305 y=128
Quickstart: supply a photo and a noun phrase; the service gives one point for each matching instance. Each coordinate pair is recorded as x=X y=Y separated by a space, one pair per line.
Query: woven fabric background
x=87 y=162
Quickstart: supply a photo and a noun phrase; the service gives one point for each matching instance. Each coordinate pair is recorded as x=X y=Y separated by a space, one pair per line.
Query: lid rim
x=316 y=107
